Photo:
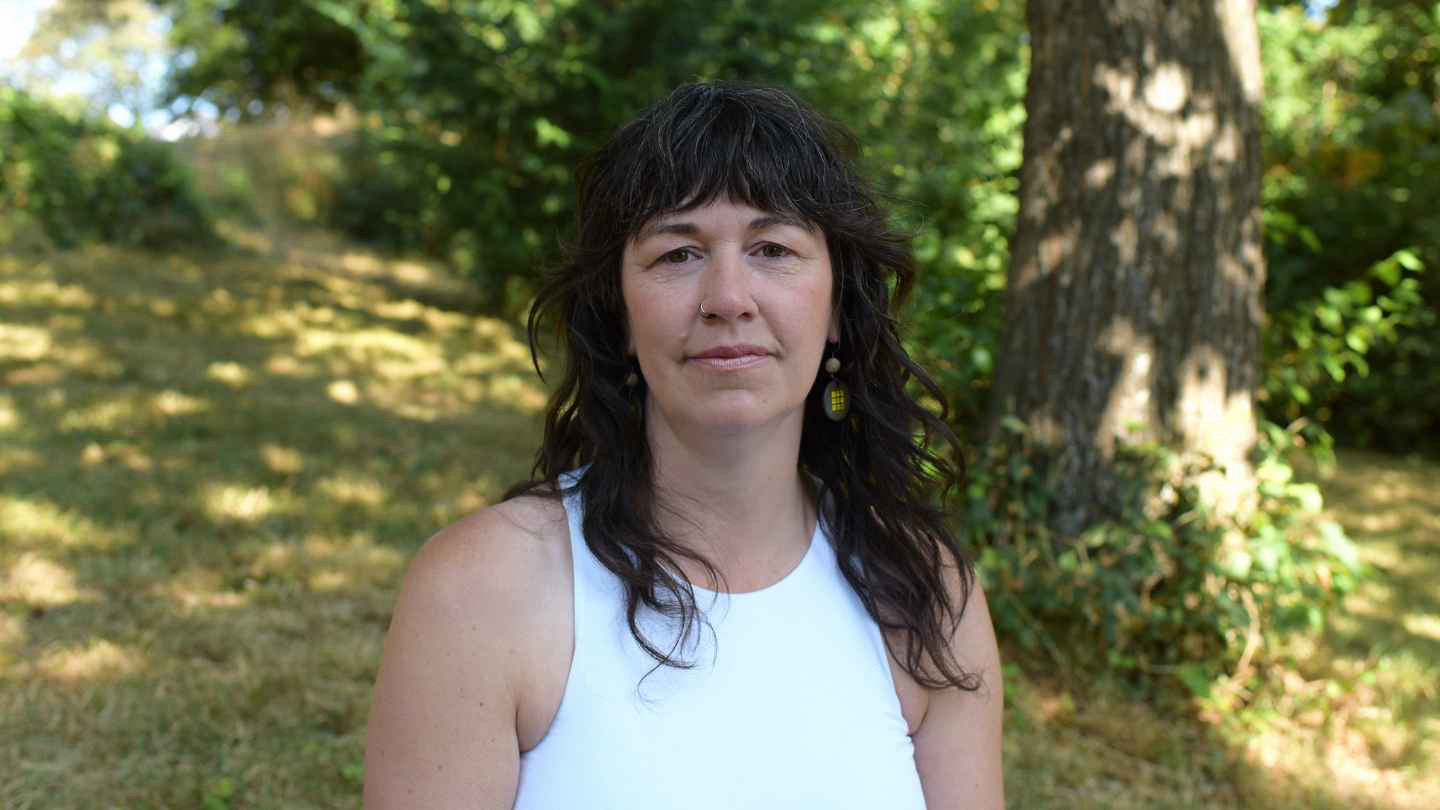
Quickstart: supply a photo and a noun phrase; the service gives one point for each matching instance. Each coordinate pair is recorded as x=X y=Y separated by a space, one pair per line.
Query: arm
x=442 y=728
x=957 y=745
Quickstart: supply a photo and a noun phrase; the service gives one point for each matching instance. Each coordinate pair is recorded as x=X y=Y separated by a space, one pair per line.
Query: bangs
x=751 y=145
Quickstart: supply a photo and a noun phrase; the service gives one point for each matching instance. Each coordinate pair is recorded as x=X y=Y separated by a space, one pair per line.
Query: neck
x=738 y=499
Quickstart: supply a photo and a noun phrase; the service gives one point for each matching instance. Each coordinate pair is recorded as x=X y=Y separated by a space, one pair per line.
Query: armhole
x=569 y=498
x=893 y=672
x=900 y=681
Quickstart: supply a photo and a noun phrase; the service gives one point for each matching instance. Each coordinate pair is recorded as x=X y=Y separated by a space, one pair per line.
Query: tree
x=1134 y=294
x=106 y=53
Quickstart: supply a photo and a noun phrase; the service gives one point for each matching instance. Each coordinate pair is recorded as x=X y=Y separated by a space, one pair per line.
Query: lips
x=723 y=358
x=731 y=352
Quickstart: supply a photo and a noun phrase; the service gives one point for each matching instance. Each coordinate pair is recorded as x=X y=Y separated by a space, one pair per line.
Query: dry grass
x=212 y=472
x=213 y=469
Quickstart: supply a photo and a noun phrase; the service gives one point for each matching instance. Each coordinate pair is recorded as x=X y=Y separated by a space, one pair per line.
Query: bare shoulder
x=487 y=550
x=478 y=615
x=958 y=740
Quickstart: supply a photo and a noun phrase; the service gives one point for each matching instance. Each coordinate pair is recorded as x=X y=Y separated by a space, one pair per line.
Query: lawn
x=215 y=465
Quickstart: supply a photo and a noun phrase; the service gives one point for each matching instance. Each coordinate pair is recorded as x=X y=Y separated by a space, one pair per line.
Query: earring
x=835 y=398
x=632 y=379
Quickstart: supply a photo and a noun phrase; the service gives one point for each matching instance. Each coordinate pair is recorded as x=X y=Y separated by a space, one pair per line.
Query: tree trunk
x=1134 y=300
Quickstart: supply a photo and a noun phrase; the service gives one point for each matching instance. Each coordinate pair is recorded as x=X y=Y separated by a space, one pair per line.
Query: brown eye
x=774 y=251
x=676 y=256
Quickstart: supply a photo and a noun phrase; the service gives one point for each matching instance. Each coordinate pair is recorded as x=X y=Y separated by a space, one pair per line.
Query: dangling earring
x=835 y=398
x=632 y=379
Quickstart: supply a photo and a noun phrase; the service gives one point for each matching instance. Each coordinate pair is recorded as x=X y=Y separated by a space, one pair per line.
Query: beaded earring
x=835 y=398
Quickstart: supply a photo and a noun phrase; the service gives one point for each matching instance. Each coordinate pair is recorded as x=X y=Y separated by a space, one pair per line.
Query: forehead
x=720 y=214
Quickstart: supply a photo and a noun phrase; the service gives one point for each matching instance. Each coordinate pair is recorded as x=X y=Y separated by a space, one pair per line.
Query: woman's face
x=765 y=285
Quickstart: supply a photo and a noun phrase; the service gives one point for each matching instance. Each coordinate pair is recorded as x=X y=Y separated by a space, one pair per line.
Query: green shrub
x=1352 y=215
x=79 y=179
x=1168 y=586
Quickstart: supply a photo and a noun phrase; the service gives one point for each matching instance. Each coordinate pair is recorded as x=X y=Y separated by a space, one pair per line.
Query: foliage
x=1352 y=215
x=81 y=179
x=1167 y=584
x=101 y=55
x=474 y=114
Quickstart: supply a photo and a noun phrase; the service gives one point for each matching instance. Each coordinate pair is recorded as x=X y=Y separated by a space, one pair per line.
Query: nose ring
x=703 y=313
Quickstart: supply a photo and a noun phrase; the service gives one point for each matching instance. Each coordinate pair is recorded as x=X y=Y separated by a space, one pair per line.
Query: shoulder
x=494 y=589
x=493 y=554
x=958 y=739
x=483 y=612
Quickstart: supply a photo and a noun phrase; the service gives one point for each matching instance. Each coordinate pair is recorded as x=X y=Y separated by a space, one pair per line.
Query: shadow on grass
x=214 y=469
x=1345 y=719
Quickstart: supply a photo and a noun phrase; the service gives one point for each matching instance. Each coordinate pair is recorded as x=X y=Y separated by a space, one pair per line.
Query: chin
x=733 y=416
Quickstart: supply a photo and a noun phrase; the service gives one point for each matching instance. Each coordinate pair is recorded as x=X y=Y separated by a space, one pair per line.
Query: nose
x=725 y=289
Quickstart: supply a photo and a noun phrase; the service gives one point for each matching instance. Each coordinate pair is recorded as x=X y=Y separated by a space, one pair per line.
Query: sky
x=22 y=15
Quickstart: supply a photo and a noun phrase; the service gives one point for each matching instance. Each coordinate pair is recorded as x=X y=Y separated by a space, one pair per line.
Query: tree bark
x=1134 y=300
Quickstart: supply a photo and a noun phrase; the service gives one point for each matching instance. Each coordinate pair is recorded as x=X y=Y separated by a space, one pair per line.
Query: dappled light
x=230 y=502
x=38 y=524
x=97 y=660
x=245 y=375
x=215 y=469
x=41 y=583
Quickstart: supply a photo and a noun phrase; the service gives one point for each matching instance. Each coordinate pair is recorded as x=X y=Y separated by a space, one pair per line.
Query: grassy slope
x=213 y=469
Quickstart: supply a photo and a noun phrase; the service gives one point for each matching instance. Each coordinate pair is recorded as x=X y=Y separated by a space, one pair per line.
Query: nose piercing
x=703 y=313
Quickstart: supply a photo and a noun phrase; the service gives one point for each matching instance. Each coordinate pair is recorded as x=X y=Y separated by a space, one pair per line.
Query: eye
x=770 y=250
x=676 y=256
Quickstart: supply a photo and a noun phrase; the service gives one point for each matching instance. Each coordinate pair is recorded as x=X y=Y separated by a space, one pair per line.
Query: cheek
x=648 y=320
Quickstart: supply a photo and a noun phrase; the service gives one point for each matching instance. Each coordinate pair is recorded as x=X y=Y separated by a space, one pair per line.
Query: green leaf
x=1196 y=679
x=1408 y=260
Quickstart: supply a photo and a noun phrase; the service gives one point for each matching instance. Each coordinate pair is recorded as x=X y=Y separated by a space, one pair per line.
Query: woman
x=728 y=585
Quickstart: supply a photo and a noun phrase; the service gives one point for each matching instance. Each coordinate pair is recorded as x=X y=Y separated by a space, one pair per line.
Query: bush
x=1167 y=586
x=79 y=179
x=1352 y=218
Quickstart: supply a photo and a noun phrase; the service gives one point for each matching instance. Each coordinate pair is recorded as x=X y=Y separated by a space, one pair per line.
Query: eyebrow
x=685 y=228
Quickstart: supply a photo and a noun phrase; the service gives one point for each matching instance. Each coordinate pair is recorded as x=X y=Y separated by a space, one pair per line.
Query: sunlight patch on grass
x=402 y=356
x=193 y=590
x=20 y=342
x=41 y=582
x=12 y=638
x=44 y=292
x=280 y=459
x=328 y=563
x=233 y=502
x=344 y=392
x=174 y=403
x=9 y=416
x=28 y=523
x=126 y=455
x=97 y=659
x=1427 y=626
x=285 y=365
x=232 y=374
x=352 y=489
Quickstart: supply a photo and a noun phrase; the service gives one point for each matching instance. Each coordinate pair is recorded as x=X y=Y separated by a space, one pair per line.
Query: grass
x=213 y=469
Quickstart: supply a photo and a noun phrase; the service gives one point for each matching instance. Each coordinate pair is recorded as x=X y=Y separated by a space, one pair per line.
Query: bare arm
x=442 y=728
x=957 y=746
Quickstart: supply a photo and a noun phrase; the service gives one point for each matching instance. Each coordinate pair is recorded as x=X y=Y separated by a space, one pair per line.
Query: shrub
x=1168 y=586
x=79 y=179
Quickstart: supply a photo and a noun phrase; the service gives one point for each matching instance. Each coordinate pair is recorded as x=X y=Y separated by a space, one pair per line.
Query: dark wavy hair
x=882 y=479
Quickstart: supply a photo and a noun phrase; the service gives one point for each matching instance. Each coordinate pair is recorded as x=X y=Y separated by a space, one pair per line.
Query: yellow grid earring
x=835 y=398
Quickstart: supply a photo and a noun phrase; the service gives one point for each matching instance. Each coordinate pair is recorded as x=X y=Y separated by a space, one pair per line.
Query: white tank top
x=791 y=703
